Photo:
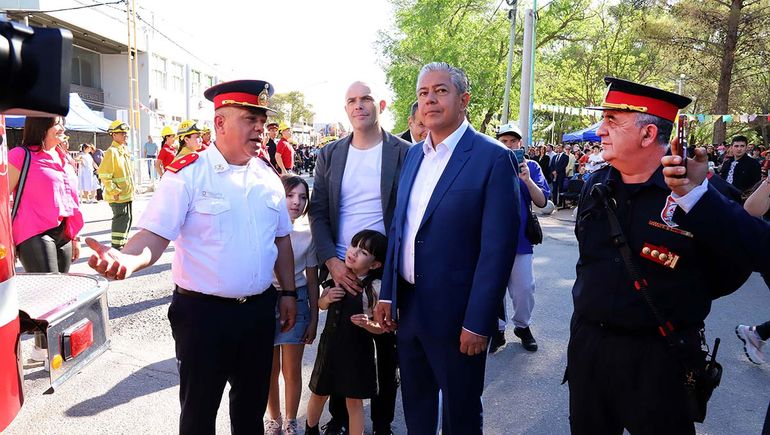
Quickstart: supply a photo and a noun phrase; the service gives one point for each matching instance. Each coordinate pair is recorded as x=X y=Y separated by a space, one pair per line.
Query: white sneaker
x=291 y=427
x=273 y=427
x=38 y=354
x=752 y=344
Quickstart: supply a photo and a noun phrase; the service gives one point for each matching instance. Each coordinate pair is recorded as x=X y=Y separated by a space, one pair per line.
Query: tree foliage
x=578 y=43
x=292 y=107
x=721 y=47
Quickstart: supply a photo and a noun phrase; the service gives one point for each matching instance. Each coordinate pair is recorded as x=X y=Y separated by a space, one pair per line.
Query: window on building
x=177 y=77
x=208 y=81
x=176 y=119
x=85 y=68
x=195 y=85
x=159 y=71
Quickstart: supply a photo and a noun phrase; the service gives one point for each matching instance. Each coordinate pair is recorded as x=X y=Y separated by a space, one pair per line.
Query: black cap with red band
x=244 y=93
x=634 y=97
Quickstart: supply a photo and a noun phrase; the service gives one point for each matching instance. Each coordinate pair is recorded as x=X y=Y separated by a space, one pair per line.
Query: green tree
x=292 y=107
x=721 y=47
x=470 y=34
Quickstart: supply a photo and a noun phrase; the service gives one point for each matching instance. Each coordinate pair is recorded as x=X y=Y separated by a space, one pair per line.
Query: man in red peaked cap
x=225 y=210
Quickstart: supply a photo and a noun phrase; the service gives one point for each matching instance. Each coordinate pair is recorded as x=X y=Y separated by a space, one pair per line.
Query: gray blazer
x=325 y=202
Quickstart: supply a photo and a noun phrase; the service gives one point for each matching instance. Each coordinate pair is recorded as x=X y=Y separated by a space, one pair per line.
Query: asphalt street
x=133 y=387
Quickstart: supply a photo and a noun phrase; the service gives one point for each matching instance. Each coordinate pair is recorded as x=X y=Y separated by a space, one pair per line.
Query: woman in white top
x=290 y=345
x=87 y=182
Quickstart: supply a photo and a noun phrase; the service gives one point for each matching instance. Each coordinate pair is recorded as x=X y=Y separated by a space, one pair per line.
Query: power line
x=35 y=11
x=178 y=44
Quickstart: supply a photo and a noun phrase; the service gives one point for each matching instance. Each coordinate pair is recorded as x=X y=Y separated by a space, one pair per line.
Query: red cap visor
x=618 y=100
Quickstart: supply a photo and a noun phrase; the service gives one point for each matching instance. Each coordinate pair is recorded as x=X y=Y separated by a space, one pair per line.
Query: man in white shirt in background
x=355 y=189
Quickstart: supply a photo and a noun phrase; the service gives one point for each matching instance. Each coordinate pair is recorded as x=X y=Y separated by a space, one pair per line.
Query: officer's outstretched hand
x=682 y=180
x=107 y=261
x=382 y=315
x=287 y=311
x=472 y=344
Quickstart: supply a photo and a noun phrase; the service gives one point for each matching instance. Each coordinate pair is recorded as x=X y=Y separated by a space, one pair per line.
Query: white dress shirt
x=223 y=220
x=688 y=201
x=431 y=168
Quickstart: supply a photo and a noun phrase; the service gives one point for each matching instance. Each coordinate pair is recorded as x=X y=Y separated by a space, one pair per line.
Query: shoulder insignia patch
x=182 y=162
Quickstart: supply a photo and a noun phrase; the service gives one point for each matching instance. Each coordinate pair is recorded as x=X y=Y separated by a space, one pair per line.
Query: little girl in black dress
x=345 y=363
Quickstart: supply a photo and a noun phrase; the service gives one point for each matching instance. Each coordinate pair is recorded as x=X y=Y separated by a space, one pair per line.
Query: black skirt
x=345 y=363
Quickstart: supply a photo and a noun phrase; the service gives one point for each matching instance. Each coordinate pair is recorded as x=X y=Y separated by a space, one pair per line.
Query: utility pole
x=134 y=114
x=507 y=97
x=526 y=77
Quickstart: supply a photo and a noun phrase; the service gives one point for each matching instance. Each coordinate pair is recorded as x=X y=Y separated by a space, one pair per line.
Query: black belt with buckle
x=199 y=295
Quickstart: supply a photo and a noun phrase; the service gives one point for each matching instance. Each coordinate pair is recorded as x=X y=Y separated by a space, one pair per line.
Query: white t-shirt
x=304 y=252
x=360 y=197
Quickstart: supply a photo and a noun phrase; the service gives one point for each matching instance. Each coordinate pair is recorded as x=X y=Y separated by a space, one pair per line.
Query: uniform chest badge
x=660 y=255
x=665 y=227
x=667 y=214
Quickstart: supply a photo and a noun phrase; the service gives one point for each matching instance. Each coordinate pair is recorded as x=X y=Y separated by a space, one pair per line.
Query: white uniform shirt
x=430 y=171
x=360 y=196
x=223 y=220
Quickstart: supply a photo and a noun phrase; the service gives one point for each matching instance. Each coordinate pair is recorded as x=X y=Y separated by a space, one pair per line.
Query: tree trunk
x=722 y=104
x=485 y=122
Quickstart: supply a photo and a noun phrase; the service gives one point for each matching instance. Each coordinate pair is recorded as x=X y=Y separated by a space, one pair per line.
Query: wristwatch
x=290 y=293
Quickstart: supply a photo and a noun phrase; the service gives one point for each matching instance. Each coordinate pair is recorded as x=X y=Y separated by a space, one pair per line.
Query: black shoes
x=498 y=341
x=331 y=428
x=383 y=431
x=312 y=430
x=527 y=340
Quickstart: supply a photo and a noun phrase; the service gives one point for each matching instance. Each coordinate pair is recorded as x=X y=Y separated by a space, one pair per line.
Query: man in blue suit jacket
x=451 y=247
x=705 y=212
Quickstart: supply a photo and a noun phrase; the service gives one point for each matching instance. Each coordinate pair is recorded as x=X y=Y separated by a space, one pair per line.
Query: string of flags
x=582 y=111
x=742 y=118
x=701 y=118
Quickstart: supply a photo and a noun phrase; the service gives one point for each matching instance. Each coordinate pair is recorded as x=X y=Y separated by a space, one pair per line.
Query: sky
x=316 y=47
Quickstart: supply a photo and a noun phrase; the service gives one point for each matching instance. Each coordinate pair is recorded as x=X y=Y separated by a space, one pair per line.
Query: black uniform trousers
x=619 y=379
x=221 y=341
x=383 y=405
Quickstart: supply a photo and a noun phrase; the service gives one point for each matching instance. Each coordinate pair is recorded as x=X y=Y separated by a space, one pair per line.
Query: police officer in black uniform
x=621 y=370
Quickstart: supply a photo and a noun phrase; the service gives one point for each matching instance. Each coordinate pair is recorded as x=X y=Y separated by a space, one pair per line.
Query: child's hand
x=361 y=320
x=310 y=332
x=333 y=294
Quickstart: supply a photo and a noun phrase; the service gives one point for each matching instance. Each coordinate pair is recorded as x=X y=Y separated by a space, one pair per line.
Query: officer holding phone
x=521 y=284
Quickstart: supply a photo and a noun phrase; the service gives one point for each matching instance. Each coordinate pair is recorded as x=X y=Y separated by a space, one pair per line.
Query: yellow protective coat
x=116 y=172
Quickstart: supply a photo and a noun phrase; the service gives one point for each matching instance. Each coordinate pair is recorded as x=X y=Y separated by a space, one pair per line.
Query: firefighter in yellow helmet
x=189 y=135
x=167 y=150
x=284 y=151
x=116 y=175
x=205 y=137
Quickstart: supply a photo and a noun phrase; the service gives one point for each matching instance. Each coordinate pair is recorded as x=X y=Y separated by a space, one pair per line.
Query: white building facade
x=171 y=75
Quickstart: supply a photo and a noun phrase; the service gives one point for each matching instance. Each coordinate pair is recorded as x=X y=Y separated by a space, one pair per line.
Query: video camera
x=35 y=69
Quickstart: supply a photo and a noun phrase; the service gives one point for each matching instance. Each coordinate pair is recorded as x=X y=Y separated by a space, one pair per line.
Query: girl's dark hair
x=35 y=129
x=292 y=181
x=377 y=244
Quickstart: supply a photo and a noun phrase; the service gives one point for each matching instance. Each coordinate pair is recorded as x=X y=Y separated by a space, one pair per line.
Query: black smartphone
x=519 y=153
x=679 y=147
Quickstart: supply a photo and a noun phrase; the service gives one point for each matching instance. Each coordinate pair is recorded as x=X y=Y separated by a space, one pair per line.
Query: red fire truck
x=69 y=311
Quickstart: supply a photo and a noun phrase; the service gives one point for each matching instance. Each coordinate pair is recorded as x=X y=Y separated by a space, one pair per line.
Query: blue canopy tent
x=79 y=118
x=587 y=134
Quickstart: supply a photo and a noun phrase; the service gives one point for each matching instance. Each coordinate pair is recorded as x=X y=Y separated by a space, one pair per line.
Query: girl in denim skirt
x=290 y=345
